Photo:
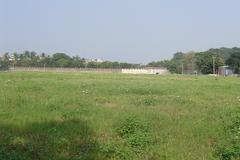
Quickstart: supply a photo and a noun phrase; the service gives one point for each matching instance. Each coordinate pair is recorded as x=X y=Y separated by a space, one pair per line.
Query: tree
x=164 y=63
x=26 y=54
x=47 y=62
x=234 y=62
x=78 y=62
x=115 y=65
x=43 y=55
x=3 y=65
x=106 y=64
x=5 y=60
x=92 y=65
x=205 y=62
x=189 y=62
x=125 y=65
x=176 y=63
x=62 y=60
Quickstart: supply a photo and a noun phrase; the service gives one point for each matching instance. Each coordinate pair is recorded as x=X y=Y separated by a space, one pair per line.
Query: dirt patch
x=105 y=102
x=72 y=106
x=110 y=105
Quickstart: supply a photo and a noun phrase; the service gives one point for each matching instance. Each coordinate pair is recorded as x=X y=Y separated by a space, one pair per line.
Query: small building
x=160 y=71
x=225 y=71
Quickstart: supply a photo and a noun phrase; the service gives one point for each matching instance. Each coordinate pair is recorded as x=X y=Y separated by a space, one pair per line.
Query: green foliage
x=234 y=62
x=53 y=140
x=145 y=101
x=104 y=116
x=92 y=65
x=3 y=65
x=176 y=63
x=230 y=149
x=188 y=63
x=108 y=64
x=116 y=151
x=136 y=132
x=164 y=63
x=62 y=60
x=201 y=61
x=205 y=61
x=32 y=59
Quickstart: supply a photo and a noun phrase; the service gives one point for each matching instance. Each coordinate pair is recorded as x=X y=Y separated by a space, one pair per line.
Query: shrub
x=116 y=151
x=136 y=132
x=230 y=150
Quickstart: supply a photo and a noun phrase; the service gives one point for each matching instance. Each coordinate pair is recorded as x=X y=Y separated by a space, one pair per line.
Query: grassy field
x=113 y=116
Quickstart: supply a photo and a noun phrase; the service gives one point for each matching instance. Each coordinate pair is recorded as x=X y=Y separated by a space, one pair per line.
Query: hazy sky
x=123 y=30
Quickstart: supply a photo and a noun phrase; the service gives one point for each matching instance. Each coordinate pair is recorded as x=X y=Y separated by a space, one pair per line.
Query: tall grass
x=114 y=116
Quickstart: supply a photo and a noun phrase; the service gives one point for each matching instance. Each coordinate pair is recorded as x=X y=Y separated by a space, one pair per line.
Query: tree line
x=33 y=59
x=207 y=62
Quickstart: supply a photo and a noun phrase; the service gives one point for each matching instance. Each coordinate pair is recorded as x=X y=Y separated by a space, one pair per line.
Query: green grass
x=114 y=116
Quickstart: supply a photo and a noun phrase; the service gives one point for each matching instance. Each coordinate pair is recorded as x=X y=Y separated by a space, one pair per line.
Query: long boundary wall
x=49 y=69
x=160 y=71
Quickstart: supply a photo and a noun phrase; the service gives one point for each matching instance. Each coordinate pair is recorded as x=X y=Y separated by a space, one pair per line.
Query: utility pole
x=214 y=66
x=182 y=68
x=192 y=67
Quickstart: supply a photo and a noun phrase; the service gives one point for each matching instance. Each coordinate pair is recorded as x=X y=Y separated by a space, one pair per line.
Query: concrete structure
x=160 y=71
x=54 y=69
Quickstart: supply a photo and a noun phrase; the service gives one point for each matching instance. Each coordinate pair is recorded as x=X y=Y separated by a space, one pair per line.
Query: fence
x=49 y=69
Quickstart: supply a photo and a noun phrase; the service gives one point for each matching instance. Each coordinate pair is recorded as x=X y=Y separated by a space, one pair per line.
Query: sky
x=136 y=31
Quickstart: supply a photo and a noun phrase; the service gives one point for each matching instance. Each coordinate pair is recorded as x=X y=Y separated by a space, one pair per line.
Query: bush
x=136 y=132
x=115 y=150
x=230 y=150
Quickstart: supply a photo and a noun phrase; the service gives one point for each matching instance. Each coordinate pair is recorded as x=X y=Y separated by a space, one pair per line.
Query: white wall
x=145 y=71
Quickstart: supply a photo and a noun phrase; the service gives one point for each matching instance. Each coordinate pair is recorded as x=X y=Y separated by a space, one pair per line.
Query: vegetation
x=202 y=62
x=32 y=59
x=3 y=65
x=230 y=149
x=234 y=61
x=114 y=116
x=187 y=63
x=205 y=62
